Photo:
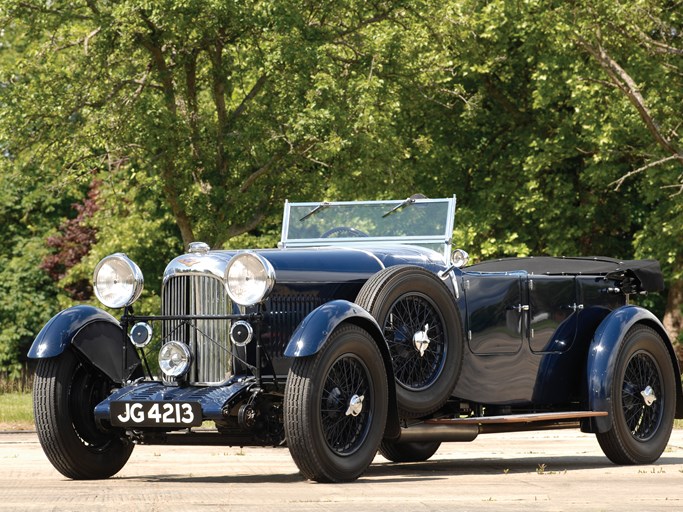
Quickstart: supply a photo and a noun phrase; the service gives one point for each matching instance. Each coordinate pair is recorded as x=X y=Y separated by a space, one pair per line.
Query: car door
x=495 y=312
x=553 y=308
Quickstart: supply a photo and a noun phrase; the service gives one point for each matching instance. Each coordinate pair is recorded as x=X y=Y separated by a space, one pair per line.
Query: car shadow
x=489 y=466
x=283 y=478
x=390 y=472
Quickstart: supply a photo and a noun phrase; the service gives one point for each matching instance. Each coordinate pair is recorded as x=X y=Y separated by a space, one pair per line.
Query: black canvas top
x=646 y=272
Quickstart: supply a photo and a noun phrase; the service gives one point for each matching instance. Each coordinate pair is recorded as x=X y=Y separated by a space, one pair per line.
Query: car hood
x=314 y=264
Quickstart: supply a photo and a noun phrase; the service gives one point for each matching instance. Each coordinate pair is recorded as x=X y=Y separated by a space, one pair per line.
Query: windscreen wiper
x=315 y=210
x=407 y=202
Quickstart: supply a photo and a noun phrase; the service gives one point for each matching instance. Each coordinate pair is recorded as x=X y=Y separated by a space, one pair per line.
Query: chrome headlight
x=175 y=358
x=249 y=277
x=118 y=281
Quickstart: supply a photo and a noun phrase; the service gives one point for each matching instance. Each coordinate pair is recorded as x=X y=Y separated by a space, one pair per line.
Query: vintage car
x=361 y=332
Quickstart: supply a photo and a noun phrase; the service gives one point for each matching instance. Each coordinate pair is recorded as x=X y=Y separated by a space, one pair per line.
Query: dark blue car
x=362 y=331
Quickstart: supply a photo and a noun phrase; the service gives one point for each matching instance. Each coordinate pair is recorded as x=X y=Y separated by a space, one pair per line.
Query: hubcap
x=421 y=340
x=648 y=395
x=355 y=405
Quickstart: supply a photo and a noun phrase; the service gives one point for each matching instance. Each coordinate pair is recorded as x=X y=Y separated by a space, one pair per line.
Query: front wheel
x=65 y=393
x=335 y=407
x=643 y=400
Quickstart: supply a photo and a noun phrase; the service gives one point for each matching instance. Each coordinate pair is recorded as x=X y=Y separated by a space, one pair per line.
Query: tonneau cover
x=646 y=272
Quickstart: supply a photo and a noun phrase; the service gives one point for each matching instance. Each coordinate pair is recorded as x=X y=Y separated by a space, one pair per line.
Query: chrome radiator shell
x=199 y=294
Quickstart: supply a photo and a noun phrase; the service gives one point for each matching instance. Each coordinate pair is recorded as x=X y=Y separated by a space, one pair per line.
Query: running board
x=518 y=418
x=467 y=429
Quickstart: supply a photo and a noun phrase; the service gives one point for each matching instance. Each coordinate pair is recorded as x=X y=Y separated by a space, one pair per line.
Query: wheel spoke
x=641 y=419
x=410 y=314
x=346 y=378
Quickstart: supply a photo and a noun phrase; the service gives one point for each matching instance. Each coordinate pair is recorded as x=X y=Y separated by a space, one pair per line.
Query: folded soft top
x=647 y=272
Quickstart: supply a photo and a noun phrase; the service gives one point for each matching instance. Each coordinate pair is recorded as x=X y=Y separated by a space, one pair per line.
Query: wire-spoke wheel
x=643 y=400
x=336 y=407
x=642 y=385
x=345 y=419
x=421 y=324
x=415 y=368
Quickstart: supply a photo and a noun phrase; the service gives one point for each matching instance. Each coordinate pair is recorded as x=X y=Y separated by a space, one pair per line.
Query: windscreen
x=427 y=222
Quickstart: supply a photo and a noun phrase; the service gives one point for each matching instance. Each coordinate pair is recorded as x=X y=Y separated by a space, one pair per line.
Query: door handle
x=520 y=307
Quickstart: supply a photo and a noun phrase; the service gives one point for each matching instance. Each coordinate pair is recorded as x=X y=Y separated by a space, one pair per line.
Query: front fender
x=95 y=334
x=602 y=359
x=314 y=331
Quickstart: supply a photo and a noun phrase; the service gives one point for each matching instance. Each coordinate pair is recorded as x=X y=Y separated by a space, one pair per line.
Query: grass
x=16 y=411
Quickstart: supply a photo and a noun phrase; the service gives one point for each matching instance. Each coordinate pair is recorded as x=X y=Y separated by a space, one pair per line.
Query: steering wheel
x=343 y=231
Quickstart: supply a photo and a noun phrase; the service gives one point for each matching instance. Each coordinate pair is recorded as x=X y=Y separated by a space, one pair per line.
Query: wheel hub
x=421 y=340
x=648 y=395
x=355 y=405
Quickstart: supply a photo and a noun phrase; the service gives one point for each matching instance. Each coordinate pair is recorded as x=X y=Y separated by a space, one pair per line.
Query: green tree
x=196 y=118
x=638 y=48
x=234 y=105
x=557 y=126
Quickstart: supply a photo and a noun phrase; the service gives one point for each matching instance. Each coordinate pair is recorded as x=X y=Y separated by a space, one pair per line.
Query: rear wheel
x=421 y=325
x=408 y=452
x=336 y=407
x=643 y=400
x=65 y=393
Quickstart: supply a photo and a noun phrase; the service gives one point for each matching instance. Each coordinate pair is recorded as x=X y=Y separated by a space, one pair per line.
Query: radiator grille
x=285 y=314
x=209 y=339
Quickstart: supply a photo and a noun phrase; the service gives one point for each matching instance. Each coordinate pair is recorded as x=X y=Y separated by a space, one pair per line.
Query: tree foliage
x=234 y=105
x=556 y=124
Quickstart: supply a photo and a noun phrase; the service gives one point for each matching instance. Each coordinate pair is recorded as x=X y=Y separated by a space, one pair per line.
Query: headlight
x=249 y=277
x=174 y=358
x=118 y=281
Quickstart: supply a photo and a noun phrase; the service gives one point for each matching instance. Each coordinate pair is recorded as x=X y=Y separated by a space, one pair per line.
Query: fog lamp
x=175 y=358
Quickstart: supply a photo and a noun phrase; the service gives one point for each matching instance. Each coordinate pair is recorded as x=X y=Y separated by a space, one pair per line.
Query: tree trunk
x=673 y=315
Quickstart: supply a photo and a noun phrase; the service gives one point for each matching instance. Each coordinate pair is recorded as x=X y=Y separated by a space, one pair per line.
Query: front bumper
x=216 y=401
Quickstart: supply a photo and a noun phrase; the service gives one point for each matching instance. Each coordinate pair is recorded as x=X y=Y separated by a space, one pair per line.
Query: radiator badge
x=189 y=262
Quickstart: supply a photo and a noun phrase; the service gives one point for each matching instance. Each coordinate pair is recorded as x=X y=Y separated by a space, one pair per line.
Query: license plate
x=155 y=414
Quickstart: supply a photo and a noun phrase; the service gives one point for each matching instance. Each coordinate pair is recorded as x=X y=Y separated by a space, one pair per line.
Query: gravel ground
x=554 y=471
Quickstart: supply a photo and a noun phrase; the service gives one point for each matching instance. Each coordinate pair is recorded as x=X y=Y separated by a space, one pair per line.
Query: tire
x=329 y=438
x=65 y=393
x=408 y=452
x=640 y=432
x=404 y=299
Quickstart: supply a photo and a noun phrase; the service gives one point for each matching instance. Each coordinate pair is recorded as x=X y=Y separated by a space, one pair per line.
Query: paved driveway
x=561 y=470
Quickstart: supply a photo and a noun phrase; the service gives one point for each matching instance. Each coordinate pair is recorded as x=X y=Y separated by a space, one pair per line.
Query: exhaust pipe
x=423 y=432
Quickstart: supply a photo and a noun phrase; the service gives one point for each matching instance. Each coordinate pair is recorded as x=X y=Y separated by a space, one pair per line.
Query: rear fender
x=93 y=333
x=602 y=359
x=314 y=331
